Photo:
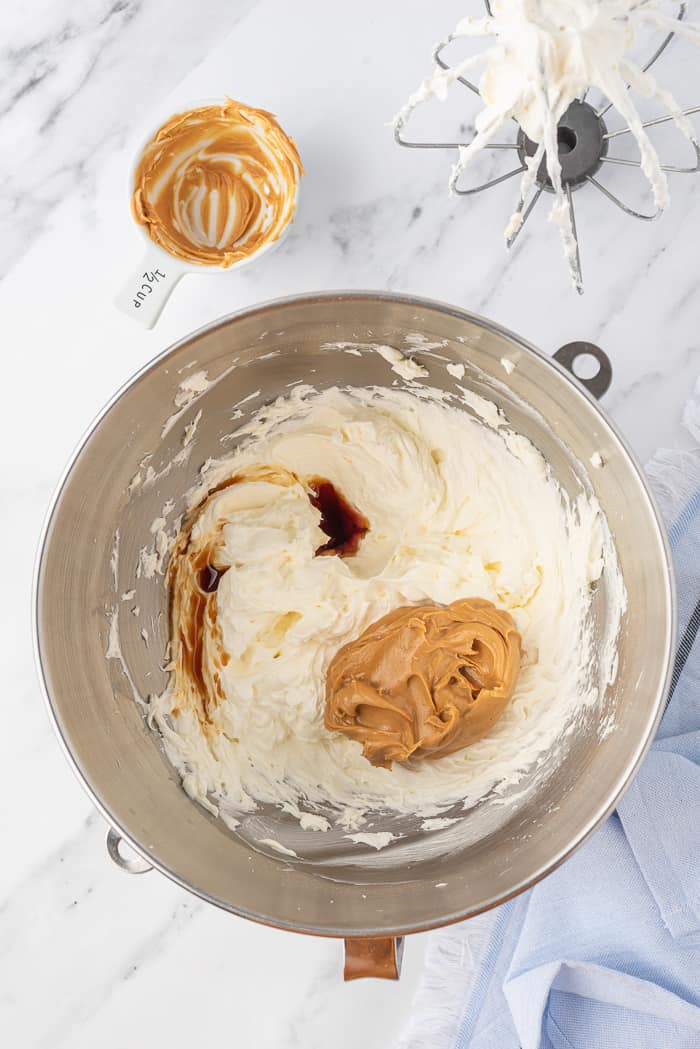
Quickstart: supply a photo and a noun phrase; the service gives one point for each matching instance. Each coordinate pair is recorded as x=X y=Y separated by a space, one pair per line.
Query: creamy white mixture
x=545 y=54
x=459 y=506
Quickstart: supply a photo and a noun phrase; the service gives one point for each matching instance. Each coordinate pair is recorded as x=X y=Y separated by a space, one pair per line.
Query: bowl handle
x=378 y=956
x=131 y=864
x=599 y=383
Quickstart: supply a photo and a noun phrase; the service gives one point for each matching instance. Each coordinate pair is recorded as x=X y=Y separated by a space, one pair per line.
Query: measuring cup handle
x=148 y=289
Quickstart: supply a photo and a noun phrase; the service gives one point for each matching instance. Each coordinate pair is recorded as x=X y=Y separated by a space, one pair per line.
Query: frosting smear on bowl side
x=449 y=508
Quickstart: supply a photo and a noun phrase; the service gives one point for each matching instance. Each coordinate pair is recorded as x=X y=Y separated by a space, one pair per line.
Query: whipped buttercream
x=457 y=506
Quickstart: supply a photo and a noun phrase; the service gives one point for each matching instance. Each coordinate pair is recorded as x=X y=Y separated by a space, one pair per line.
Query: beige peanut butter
x=424 y=681
x=216 y=184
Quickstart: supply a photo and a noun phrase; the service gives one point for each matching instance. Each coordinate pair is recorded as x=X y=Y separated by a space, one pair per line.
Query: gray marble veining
x=75 y=79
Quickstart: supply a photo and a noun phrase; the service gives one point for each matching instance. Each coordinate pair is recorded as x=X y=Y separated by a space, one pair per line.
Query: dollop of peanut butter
x=217 y=183
x=424 y=681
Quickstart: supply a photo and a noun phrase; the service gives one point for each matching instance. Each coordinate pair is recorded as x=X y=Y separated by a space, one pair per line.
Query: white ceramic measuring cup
x=149 y=287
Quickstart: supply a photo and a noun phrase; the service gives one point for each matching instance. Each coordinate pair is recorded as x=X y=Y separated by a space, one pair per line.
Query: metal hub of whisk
x=583 y=140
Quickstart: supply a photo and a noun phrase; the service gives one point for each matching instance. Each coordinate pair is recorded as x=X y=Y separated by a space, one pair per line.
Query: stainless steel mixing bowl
x=258 y=354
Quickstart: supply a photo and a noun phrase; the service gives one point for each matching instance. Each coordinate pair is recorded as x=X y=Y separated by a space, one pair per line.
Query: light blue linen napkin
x=605 y=952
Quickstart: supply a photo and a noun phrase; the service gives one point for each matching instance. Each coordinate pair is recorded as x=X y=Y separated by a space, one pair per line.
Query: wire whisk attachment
x=572 y=143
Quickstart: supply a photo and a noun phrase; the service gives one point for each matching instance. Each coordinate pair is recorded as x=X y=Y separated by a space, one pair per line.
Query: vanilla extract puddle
x=344 y=525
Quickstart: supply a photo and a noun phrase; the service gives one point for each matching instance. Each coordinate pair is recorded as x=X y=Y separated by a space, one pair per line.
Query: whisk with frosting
x=543 y=58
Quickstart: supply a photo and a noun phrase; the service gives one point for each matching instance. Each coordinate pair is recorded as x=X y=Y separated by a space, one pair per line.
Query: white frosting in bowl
x=459 y=506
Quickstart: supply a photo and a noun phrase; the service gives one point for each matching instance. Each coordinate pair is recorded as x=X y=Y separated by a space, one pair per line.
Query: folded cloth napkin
x=605 y=952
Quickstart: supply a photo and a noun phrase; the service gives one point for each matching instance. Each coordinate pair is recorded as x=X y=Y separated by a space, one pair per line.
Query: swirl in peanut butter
x=424 y=681
x=216 y=184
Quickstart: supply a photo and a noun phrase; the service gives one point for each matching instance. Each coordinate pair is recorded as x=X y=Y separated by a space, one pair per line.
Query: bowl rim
x=633 y=762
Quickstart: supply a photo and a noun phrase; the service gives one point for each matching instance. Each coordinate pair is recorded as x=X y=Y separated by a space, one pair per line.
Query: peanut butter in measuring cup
x=215 y=186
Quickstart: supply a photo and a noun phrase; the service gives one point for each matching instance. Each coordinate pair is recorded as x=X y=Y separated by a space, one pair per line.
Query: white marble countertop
x=89 y=956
